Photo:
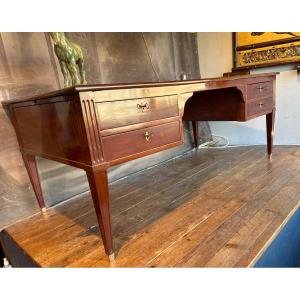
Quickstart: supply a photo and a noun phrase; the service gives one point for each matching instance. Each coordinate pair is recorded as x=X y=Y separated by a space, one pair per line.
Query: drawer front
x=136 y=141
x=260 y=90
x=127 y=112
x=260 y=106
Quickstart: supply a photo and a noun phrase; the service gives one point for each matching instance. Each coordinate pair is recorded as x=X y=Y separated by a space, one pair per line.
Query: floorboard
x=207 y=208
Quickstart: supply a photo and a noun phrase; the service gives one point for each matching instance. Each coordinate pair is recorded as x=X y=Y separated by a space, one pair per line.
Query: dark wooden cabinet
x=95 y=127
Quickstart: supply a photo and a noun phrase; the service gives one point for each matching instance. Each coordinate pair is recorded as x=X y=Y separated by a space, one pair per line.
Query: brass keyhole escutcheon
x=260 y=88
x=261 y=104
x=143 y=106
x=148 y=136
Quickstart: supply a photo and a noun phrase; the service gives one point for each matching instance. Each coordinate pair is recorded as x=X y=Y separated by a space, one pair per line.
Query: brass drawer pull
x=261 y=88
x=260 y=104
x=148 y=136
x=143 y=107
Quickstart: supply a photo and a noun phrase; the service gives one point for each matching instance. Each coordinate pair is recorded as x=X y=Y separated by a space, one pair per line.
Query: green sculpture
x=69 y=55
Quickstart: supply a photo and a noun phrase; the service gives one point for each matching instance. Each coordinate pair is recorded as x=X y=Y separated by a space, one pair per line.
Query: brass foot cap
x=270 y=157
x=111 y=257
x=43 y=209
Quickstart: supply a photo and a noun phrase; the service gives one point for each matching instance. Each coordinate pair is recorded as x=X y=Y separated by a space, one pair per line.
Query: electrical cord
x=213 y=143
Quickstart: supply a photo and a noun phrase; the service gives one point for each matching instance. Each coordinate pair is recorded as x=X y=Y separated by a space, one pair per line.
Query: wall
x=215 y=53
x=215 y=58
x=28 y=66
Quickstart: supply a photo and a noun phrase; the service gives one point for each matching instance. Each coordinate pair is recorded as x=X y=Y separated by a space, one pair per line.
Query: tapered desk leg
x=1 y=257
x=196 y=133
x=99 y=189
x=31 y=166
x=270 y=119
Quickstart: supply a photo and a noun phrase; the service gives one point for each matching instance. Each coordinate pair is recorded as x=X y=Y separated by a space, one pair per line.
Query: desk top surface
x=100 y=87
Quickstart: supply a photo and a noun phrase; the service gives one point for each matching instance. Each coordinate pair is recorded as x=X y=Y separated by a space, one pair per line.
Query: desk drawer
x=261 y=106
x=127 y=112
x=136 y=141
x=260 y=90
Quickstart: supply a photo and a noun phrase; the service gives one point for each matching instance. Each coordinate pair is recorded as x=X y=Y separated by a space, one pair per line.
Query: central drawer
x=127 y=112
x=137 y=141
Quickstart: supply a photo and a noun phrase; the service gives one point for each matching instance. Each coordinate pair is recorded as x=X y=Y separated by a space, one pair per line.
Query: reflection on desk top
x=101 y=87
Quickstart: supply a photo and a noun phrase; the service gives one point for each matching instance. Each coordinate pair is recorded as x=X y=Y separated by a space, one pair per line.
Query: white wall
x=215 y=58
x=215 y=53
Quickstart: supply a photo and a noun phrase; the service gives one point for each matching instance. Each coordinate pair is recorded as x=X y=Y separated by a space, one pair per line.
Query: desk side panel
x=53 y=129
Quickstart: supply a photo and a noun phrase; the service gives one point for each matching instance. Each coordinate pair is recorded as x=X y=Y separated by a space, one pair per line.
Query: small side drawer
x=260 y=90
x=127 y=112
x=136 y=141
x=261 y=106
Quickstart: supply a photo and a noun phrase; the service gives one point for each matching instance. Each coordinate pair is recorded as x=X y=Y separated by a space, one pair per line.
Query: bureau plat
x=95 y=127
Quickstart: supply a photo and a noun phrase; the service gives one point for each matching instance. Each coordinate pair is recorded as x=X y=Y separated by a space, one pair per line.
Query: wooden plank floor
x=208 y=208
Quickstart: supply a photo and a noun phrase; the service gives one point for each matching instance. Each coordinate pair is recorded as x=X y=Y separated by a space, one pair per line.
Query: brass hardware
x=261 y=104
x=260 y=88
x=111 y=257
x=143 y=107
x=6 y=263
x=148 y=135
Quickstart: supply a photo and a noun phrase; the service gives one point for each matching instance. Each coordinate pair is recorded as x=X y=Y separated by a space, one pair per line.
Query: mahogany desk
x=95 y=127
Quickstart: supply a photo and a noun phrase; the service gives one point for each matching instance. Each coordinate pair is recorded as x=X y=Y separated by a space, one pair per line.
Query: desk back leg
x=99 y=189
x=31 y=166
x=270 y=120
x=196 y=133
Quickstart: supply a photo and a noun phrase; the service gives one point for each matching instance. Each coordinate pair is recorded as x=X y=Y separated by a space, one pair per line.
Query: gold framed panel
x=258 y=49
